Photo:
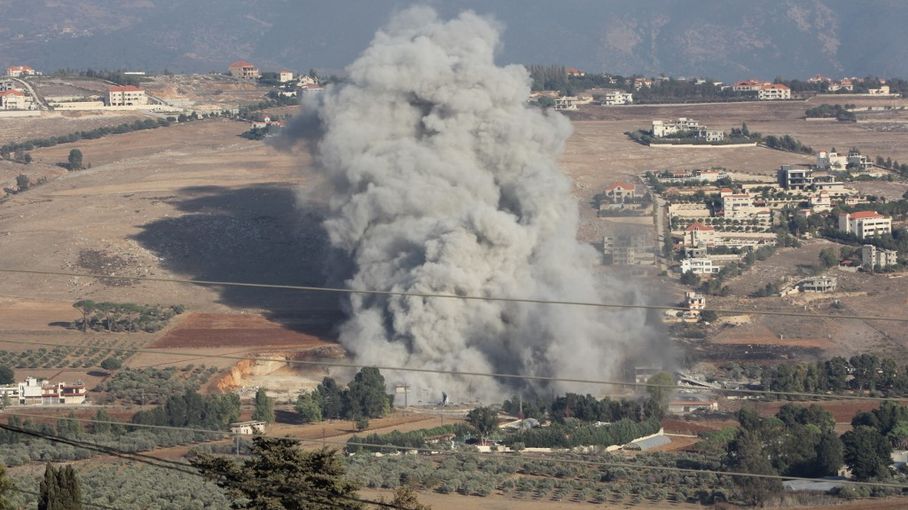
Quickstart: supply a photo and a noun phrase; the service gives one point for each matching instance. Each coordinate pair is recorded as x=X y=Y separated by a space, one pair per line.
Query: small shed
x=247 y=428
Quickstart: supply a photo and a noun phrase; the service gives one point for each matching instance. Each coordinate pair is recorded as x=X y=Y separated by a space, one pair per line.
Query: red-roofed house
x=575 y=73
x=699 y=234
x=621 y=191
x=18 y=71
x=244 y=70
x=773 y=92
x=865 y=224
x=748 y=86
x=13 y=100
x=126 y=95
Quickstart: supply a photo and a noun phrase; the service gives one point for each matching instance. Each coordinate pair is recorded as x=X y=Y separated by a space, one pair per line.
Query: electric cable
x=460 y=373
x=427 y=295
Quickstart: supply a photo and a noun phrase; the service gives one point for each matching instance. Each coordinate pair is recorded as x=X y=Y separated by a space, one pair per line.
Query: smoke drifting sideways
x=443 y=180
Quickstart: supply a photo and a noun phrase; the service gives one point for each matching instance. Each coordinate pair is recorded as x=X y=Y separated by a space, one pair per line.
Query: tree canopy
x=281 y=476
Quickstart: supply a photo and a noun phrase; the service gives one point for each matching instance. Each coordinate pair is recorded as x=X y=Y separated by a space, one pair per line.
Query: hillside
x=723 y=39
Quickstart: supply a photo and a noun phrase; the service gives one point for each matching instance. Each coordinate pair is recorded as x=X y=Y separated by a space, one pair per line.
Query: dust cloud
x=443 y=180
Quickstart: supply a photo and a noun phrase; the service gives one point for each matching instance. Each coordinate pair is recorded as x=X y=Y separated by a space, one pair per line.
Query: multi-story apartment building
x=670 y=127
x=14 y=100
x=864 y=224
x=773 y=92
x=617 y=97
x=795 y=178
x=702 y=265
x=873 y=257
x=126 y=95
x=244 y=70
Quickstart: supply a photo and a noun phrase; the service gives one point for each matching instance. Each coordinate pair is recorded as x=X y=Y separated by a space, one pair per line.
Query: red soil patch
x=234 y=330
x=842 y=410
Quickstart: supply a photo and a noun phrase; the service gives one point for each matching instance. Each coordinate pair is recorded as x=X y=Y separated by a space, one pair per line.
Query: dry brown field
x=201 y=330
x=13 y=129
x=199 y=201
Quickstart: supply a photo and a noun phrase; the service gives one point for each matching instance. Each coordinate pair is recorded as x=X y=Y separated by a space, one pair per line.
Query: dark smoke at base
x=443 y=180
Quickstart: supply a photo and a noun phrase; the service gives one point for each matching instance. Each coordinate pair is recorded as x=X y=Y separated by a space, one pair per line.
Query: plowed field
x=199 y=330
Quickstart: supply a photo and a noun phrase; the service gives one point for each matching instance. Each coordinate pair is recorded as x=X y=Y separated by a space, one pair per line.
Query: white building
x=857 y=161
x=14 y=100
x=818 y=284
x=864 y=224
x=873 y=257
x=20 y=71
x=284 y=76
x=247 y=428
x=748 y=86
x=831 y=160
x=882 y=91
x=617 y=97
x=773 y=92
x=126 y=95
x=671 y=127
x=699 y=265
x=34 y=391
x=566 y=103
x=621 y=191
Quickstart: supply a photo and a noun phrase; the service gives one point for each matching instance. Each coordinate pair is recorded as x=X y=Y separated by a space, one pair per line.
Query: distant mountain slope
x=719 y=38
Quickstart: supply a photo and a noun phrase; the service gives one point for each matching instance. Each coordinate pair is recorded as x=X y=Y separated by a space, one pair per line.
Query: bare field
x=201 y=330
x=61 y=123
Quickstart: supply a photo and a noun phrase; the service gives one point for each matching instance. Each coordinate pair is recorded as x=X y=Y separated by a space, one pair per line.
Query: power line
x=425 y=295
x=168 y=464
x=592 y=463
x=460 y=373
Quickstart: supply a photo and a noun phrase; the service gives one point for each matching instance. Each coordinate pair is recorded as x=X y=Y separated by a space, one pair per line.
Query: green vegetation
x=153 y=385
x=133 y=486
x=7 y=376
x=211 y=412
x=116 y=76
x=787 y=143
x=574 y=433
x=647 y=138
x=111 y=364
x=422 y=438
x=832 y=111
x=17 y=449
x=484 y=420
x=120 y=317
x=89 y=354
x=74 y=161
x=364 y=397
x=280 y=475
x=60 y=489
x=264 y=407
x=6 y=490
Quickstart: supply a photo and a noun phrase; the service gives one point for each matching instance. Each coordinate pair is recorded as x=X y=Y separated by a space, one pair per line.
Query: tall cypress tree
x=49 y=499
x=60 y=489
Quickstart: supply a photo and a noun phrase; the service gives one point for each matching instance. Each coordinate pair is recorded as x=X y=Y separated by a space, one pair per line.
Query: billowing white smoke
x=444 y=180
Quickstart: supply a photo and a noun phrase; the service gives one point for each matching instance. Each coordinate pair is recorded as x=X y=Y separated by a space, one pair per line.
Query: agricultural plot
x=88 y=354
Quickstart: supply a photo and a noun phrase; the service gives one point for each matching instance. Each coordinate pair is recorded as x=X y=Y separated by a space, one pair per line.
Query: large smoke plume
x=443 y=180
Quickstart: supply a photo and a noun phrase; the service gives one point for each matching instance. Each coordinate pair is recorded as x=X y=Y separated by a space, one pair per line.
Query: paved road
x=38 y=99
x=660 y=231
